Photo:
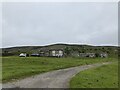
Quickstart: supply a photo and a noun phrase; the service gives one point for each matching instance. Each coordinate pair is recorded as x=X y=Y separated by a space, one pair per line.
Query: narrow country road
x=53 y=79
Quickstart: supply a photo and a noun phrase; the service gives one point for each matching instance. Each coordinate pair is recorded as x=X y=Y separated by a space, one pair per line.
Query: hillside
x=111 y=50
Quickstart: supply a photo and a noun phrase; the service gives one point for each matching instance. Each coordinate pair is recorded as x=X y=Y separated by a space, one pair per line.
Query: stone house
x=87 y=55
x=75 y=54
x=103 y=55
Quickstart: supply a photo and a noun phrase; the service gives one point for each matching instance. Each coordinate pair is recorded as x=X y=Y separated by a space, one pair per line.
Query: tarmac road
x=53 y=79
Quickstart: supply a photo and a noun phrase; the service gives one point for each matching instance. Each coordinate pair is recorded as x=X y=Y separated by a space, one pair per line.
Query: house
x=23 y=55
x=87 y=55
x=75 y=54
x=82 y=55
x=91 y=55
x=44 y=52
x=103 y=55
x=52 y=53
x=56 y=53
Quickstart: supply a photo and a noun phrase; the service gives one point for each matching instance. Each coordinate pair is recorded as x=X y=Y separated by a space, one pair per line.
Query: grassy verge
x=0 y=70
x=18 y=67
x=102 y=77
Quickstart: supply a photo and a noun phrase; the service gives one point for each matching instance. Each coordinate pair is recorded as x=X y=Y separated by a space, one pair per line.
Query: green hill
x=111 y=50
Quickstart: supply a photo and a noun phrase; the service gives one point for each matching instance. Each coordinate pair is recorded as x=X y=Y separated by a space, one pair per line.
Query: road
x=53 y=79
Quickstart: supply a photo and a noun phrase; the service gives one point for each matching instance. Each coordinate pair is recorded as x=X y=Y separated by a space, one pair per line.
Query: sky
x=38 y=24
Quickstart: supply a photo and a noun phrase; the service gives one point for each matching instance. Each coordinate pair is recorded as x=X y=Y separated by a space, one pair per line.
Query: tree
x=97 y=54
x=83 y=50
x=67 y=51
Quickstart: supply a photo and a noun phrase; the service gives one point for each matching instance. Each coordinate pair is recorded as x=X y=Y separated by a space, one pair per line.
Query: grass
x=102 y=77
x=19 y=67
x=0 y=70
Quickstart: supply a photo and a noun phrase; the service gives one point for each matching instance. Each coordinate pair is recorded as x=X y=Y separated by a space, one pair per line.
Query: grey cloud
x=45 y=23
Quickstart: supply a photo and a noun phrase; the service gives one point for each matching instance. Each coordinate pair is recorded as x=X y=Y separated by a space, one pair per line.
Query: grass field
x=102 y=77
x=20 y=67
x=0 y=70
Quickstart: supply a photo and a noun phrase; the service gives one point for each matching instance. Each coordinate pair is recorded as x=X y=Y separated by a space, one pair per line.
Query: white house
x=58 y=53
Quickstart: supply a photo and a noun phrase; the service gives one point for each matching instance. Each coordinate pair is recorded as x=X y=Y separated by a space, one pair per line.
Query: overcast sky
x=48 y=23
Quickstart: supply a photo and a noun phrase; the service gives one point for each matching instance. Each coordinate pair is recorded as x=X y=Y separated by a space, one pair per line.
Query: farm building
x=62 y=53
x=103 y=55
x=87 y=54
x=23 y=55
x=75 y=54
x=44 y=53
x=56 y=53
x=52 y=53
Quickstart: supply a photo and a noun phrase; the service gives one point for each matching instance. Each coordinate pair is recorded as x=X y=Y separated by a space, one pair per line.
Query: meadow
x=14 y=68
x=105 y=76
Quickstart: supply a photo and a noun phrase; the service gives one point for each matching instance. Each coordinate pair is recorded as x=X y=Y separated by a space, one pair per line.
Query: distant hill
x=111 y=50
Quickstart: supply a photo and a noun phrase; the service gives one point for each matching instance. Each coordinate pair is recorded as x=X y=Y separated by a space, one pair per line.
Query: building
x=56 y=53
x=87 y=54
x=49 y=52
x=52 y=53
x=103 y=55
x=44 y=52
x=75 y=54
x=23 y=55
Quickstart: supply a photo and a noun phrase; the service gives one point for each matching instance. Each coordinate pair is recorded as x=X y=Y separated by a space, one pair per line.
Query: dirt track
x=53 y=79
